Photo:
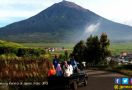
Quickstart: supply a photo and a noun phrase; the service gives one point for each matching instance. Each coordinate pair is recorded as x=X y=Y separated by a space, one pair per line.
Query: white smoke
x=92 y=28
x=89 y=30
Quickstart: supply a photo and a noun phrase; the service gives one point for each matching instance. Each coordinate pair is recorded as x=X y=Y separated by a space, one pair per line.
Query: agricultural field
x=50 y=45
x=11 y=50
x=116 y=48
x=24 y=69
x=58 y=46
x=10 y=44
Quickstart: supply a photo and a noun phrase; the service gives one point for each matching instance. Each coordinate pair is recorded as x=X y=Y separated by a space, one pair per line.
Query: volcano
x=64 y=22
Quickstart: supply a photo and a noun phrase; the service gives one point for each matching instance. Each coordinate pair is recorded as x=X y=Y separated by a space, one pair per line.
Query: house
x=51 y=49
x=123 y=54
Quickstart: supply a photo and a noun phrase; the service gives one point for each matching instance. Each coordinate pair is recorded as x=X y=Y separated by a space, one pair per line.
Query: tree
x=79 y=51
x=93 y=50
x=104 y=43
x=66 y=55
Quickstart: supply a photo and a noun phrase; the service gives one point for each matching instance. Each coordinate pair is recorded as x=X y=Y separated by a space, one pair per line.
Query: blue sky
x=16 y=10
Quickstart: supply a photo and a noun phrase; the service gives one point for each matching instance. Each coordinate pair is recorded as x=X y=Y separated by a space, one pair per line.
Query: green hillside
x=11 y=49
x=10 y=44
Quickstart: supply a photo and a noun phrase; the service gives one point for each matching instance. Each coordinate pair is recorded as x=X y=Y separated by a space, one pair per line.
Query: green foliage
x=9 y=44
x=104 y=43
x=11 y=55
x=127 y=67
x=94 y=51
x=112 y=63
x=61 y=57
x=64 y=56
x=8 y=50
x=47 y=56
x=79 y=50
x=14 y=49
x=29 y=52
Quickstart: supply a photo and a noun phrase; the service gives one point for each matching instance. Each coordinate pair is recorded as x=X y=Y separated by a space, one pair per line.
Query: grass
x=67 y=46
x=49 y=45
x=9 y=44
x=122 y=69
x=116 y=48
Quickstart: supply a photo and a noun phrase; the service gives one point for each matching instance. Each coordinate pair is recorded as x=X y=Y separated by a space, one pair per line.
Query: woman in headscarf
x=58 y=70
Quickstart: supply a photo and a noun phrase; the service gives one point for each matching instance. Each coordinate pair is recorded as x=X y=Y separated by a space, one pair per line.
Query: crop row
x=24 y=69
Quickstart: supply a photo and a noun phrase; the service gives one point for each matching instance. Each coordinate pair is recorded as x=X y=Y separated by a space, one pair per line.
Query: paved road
x=100 y=80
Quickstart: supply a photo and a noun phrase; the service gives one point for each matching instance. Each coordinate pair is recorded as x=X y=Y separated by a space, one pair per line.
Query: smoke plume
x=92 y=28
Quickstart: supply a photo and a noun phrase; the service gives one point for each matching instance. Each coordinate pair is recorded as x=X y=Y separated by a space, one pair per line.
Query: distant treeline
x=21 y=52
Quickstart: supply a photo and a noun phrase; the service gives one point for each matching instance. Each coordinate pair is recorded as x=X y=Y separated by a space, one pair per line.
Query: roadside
x=124 y=69
x=103 y=73
x=101 y=80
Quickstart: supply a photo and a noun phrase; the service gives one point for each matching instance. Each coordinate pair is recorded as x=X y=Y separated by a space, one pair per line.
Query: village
x=123 y=59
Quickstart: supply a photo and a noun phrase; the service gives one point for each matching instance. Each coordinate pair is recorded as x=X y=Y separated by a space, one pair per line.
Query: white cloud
x=16 y=10
x=5 y=14
x=92 y=28
x=116 y=10
x=128 y=22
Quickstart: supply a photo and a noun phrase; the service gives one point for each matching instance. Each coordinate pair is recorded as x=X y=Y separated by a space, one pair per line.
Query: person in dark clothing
x=73 y=62
x=55 y=61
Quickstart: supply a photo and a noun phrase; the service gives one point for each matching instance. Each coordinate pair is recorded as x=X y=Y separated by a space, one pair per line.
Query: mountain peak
x=69 y=4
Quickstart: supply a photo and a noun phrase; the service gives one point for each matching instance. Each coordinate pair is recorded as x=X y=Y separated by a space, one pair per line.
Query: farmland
x=23 y=69
x=51 y=45
x=66 y=46
x=115 y=48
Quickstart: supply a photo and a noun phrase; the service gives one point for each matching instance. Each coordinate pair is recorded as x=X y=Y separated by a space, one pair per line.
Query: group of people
x=65 y=68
